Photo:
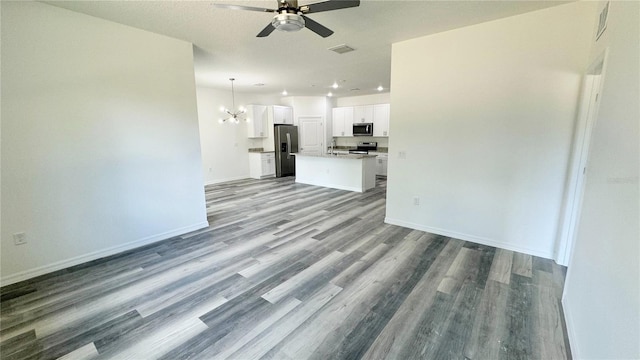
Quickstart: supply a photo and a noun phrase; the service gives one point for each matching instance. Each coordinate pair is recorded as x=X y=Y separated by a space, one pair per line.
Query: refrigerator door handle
x=288 y=146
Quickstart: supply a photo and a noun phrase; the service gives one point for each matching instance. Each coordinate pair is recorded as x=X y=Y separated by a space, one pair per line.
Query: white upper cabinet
x=381 y=120
x=345 y=117
x=363 y=114
x=257 y=126
x=281 y=114
x=342 y=120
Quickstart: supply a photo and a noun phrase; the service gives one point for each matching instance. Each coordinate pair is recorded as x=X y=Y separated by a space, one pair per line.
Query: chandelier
x=234 y=116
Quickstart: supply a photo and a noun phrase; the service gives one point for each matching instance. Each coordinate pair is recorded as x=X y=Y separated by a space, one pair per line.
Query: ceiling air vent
x=341 y=49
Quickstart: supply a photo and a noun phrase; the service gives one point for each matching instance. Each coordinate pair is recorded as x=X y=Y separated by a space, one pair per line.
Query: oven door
x=363 y=129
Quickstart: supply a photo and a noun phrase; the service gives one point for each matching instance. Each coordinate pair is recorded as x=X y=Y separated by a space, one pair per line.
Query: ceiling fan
x=291 y=17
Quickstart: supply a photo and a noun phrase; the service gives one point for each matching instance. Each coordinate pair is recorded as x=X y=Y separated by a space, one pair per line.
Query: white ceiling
x=225 y=42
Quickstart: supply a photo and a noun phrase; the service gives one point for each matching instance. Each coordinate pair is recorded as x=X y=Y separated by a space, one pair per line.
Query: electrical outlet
x=416 y=201
x=402 y=155
x=19 y=238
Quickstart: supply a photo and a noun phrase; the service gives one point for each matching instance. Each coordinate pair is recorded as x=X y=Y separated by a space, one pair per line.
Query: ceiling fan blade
x=329 y=5
x=240 y=7
x=266 y=31
x=316 y=27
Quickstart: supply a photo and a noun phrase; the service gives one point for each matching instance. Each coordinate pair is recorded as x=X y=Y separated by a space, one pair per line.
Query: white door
x=311 y=135
x=578 y=170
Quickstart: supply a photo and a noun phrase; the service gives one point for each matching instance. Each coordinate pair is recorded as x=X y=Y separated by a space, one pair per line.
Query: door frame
x=590 y=95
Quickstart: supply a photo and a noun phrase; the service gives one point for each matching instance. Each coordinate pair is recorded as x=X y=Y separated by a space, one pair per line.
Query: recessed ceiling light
x=380 y=88
x=330 y=94
x=285 y=93
x=335 y=85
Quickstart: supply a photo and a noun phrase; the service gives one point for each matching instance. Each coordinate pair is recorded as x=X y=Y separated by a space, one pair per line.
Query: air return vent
x=341 y=49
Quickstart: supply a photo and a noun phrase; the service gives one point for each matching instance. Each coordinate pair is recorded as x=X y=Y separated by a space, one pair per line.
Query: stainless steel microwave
x=363 y=129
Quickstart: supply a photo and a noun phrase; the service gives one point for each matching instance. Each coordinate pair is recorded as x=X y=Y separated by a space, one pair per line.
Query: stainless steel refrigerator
x=286 y=142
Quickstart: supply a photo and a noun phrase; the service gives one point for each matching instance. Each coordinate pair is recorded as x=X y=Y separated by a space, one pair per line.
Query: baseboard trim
x=569 y=326
x=333 y=186
x=471 y=238
x=218 y=181
x=77 y=260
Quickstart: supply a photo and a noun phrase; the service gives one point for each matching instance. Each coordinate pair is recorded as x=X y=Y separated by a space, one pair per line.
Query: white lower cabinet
x=381 y=164
x=262 y=165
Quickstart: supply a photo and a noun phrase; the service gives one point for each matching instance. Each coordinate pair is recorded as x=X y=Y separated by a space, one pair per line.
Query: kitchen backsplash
x=381 y=149
x=255 y=143
x=353 y=141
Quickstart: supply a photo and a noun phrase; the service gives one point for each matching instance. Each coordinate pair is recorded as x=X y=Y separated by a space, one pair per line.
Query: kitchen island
x=353 y=172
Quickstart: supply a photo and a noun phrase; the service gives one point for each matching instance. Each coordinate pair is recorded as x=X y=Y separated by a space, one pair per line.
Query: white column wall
x=100 y=147
x=602 y=290
x=481 y=126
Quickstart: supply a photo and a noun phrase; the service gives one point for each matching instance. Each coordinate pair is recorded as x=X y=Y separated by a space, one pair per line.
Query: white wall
x=380 y=98
x=485 y=116
x=225 y=146
x=100 y=148
x=308 y=106
x=602 y=292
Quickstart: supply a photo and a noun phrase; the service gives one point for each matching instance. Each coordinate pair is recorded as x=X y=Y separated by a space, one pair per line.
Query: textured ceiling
x=225 y=42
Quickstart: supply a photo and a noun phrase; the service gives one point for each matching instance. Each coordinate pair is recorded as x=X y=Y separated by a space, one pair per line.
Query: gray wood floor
x=290 y=271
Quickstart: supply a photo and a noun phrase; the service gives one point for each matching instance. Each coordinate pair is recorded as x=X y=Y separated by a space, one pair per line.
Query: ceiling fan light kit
x=288 y=22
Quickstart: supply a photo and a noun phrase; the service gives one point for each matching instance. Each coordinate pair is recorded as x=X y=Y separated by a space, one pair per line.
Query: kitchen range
x=364 y=147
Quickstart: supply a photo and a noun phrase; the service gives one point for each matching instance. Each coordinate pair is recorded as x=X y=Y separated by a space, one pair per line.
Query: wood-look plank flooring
x=291 y=271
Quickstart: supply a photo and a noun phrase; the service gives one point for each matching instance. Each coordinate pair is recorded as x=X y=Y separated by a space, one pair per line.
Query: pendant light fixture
x=234 y=116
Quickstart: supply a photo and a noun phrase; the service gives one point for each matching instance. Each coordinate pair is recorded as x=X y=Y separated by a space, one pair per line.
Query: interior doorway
x=578 y=169
x=311 y=135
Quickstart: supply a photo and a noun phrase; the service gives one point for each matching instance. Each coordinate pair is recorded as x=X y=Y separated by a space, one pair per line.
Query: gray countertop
x=259 y=151
x=337 y=156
